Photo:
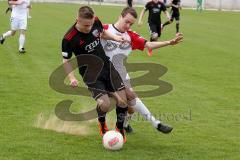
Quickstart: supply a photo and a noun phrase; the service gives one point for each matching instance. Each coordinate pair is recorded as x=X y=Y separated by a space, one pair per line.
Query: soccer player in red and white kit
x=117 y=52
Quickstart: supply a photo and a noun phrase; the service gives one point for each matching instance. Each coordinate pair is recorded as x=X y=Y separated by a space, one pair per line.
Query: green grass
x=204 y=71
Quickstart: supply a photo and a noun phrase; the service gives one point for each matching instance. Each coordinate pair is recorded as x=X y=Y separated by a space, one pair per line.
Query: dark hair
x=129 y=10
x=85 y=12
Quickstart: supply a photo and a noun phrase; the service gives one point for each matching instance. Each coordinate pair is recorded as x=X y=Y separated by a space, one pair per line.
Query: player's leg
x=177 y=23
x=117 y=88
x=121 y=110
x=153 y=32
x=14 y=28
x=167 y=23
x=99 y=93
x=21 y=41
x=140 y=107
x=103 y=105
x=23 y=27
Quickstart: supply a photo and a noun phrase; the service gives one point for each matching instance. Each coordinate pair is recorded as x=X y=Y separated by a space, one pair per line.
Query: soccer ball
x=112 y=140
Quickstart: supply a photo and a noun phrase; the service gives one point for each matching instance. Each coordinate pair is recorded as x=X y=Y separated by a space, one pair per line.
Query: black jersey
x=177 y=3
x=155 y=10
x=80 y=43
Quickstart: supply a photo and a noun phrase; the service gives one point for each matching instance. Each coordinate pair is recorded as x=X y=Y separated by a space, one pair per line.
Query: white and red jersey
x=117 y=52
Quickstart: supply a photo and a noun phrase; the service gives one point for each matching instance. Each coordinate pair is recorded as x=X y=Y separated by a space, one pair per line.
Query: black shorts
x=175 y=16
x=108 y=81
x=155 y=28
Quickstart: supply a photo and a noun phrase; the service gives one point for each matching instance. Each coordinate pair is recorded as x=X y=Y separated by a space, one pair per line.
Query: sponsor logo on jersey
x=90 y=47
x=96 y=33
x=64 y=54
x=110 y=46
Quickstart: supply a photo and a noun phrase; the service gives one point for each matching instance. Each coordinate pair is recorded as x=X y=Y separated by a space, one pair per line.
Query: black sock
x=101 y=115
x=121 y=114
x=166 y=23
x=177 y=27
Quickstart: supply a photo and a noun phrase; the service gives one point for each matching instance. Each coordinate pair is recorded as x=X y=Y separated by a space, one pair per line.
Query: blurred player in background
x=18 y=22
x=129 y=3
x=118 y=53
x=199 y=5
x=176 y=6
x=155 y=7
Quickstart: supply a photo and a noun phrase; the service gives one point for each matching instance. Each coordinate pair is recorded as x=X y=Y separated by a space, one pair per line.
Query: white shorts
x=17 y=24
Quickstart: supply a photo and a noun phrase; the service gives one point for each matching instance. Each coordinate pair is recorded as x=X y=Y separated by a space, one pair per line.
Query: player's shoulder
x=106 y=26
x=70 y=33
x=133 y=34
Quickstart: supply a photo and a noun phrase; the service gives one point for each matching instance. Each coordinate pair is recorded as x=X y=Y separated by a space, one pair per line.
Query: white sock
x=21 y=41
x=7 y=34
x=142 y=109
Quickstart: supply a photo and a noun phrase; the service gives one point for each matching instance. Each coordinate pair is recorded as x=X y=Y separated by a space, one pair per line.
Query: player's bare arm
x=68 y=69
x=109 y=36
x=16 y=2
x=141 y=17
x=174 y=41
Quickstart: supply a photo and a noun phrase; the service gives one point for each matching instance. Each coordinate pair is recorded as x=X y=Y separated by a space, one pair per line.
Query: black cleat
x=22 y=51
x=164 y=128
x=2 y=39
x=128 y=129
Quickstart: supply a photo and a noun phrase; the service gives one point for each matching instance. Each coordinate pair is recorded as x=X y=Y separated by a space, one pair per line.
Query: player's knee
x=154 y=36
x=13 y=33
x=104 y=104
x=122 y=101
x=130 y=110
x=131 y=95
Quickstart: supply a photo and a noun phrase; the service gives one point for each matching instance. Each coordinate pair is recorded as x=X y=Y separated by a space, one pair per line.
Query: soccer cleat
x=22 y=51
x=122 y=131
x=164 y=128
x=128 y=129
x=102 y=128
x=150 y=52
x=2 y=39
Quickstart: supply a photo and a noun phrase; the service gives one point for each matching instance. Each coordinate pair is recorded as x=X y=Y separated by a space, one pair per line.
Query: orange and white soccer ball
x=112 y=140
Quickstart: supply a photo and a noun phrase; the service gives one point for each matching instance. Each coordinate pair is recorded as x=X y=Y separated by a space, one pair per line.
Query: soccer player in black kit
x=101 y=78
x=175 y=14
x=155 y=7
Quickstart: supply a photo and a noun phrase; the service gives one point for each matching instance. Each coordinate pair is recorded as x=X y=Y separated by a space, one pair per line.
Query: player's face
x=127 y=22
x=85 y=25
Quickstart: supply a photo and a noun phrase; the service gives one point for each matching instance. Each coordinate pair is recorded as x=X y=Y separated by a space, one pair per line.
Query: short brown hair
x=85 y=12
x=129 y=10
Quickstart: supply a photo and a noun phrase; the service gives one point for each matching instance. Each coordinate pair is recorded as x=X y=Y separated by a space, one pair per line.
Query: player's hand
x=177 y=39
x=140 y=23
x=74 y=83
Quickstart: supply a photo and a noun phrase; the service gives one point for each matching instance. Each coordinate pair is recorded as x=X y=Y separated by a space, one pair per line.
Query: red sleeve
x=105 y=26
x=137 y=41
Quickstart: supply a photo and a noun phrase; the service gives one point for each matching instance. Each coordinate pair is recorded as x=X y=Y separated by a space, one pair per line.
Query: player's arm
x=109 y=36
x=16 y=2
x=164 y=9
x=69 y=70
x=67 y=54
x=174 y=41
x=141 y=16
